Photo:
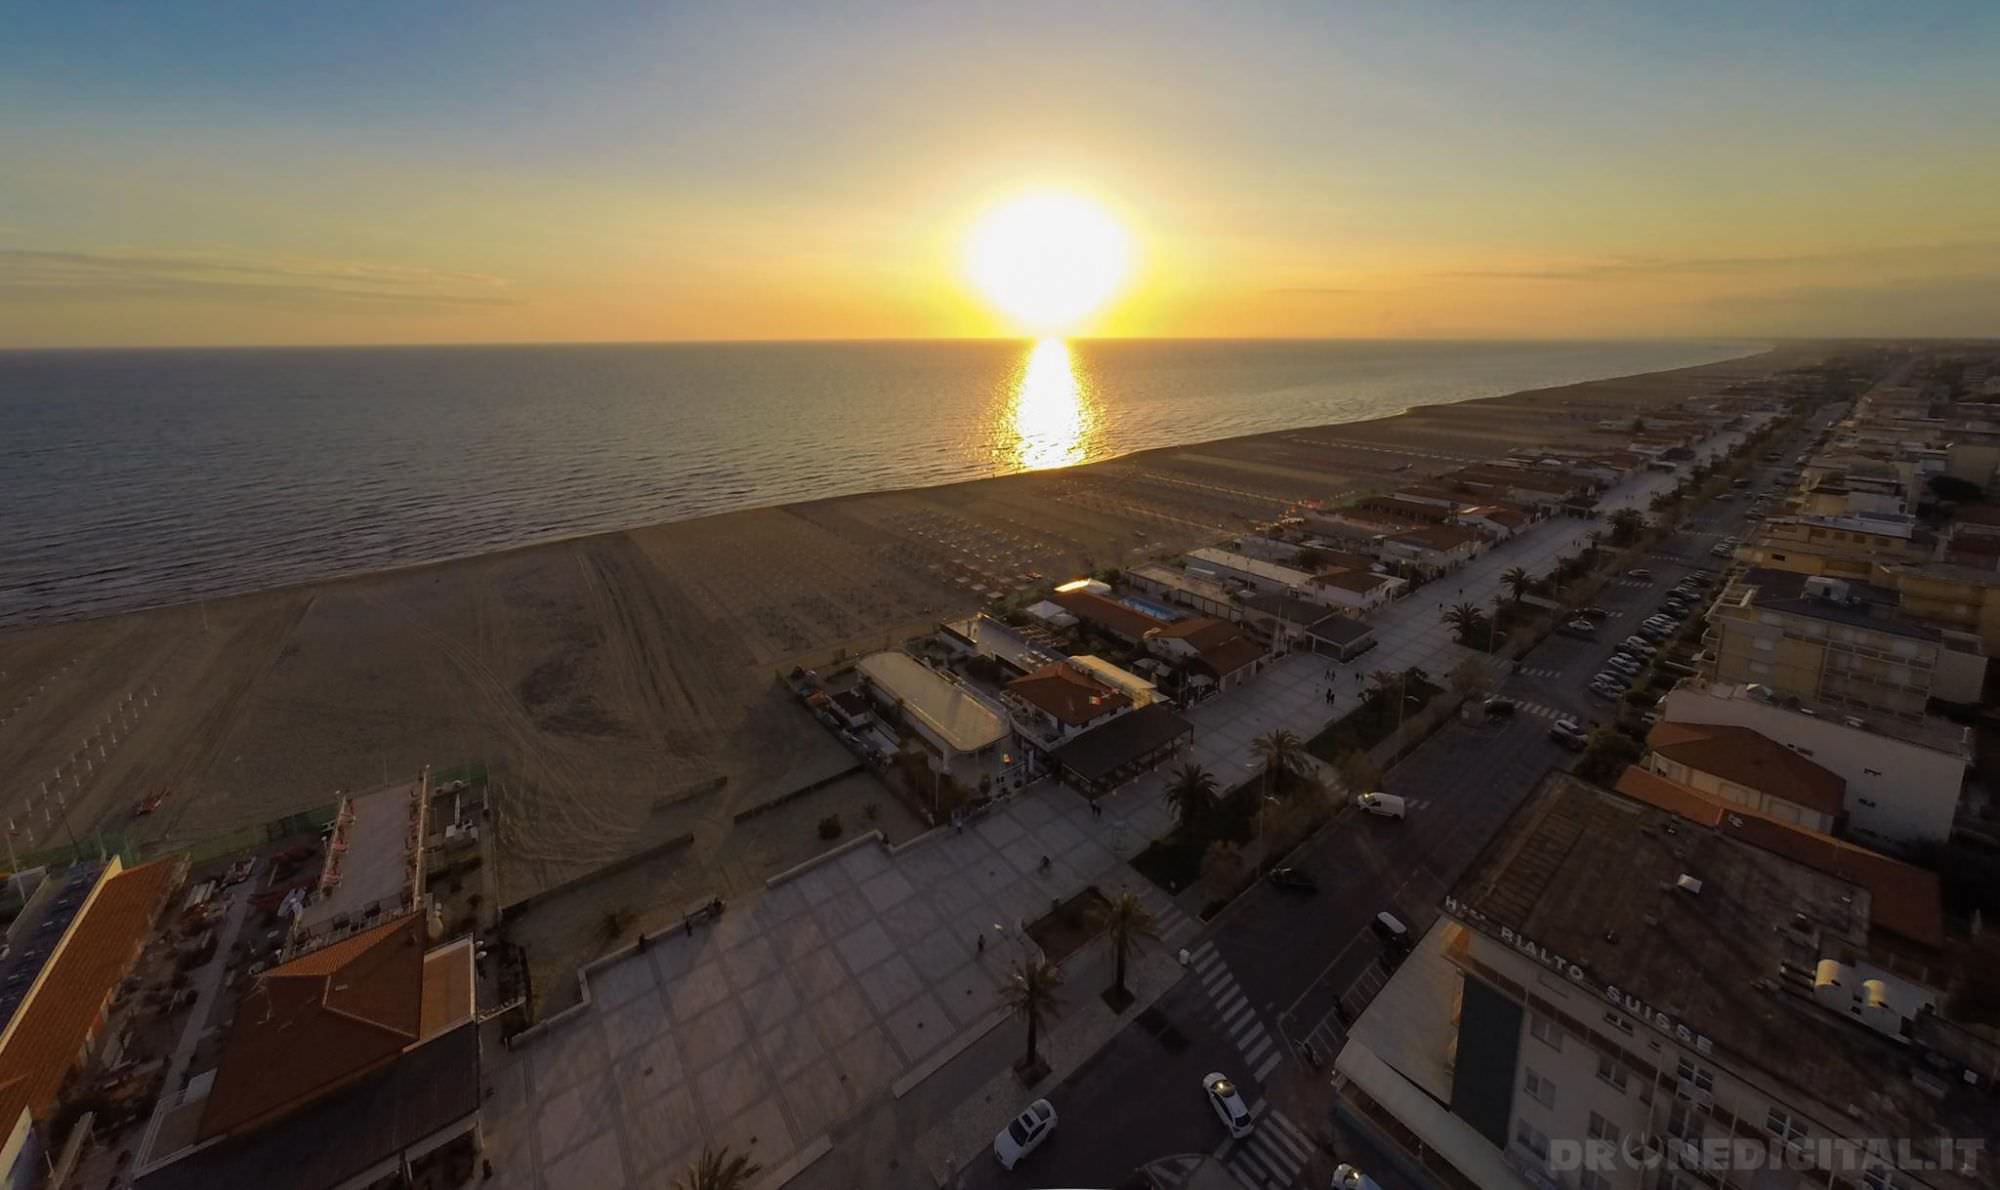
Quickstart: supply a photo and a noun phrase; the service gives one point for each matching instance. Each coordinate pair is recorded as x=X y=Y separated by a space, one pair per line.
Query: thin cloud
x=1313 y=291
x=42 y=275
x=1622 y=268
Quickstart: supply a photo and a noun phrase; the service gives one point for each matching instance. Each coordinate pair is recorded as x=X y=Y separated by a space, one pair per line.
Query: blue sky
x=516 y=171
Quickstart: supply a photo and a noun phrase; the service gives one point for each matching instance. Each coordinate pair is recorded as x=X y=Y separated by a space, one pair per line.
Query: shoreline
x=620 y=687
x=1766 y=349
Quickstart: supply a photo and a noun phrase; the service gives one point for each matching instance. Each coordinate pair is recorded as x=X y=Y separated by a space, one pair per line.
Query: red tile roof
x=1750 y=758
x=1221 y=645
x=1902 y=899
x=52 y=1027
x=318 y=1023
x=1108 y=614
x=1068 y=693
x=1439 y=537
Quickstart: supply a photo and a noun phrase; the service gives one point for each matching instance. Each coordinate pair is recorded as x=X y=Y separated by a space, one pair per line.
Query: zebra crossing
x=1174 y=927
x=1633 y=584
x=1537 y=709
x=1239 y=1019
x=1539 y=672
x=1274 y=1154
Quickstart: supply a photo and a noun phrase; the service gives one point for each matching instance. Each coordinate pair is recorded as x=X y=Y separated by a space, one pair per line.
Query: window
x=1683 y=1123
x=1526 y=1135
x=1603 y=1129
x=1546 y=1030
x=1611 y=1070
x=1701 y=1077
x=1781 y=1125
x=1539 y=1089
x=1618 y=1022
x=1871 y=772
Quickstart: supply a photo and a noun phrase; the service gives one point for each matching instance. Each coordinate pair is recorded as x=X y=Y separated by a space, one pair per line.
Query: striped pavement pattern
x=1175 y=928
x=1239 y=1020
x=1273 y=1156
x=1539 y=672
x=1536 y=708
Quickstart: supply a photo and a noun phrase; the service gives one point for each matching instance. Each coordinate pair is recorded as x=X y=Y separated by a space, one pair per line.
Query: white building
x=1903 y=779
x=962 y=734
x=1264 y=576
x=1615 y=994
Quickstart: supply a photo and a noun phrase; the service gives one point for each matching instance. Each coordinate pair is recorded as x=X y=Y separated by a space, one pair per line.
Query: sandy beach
x=621 y=687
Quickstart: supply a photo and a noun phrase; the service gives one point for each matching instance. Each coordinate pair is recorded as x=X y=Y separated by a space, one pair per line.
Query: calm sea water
x=136 y=478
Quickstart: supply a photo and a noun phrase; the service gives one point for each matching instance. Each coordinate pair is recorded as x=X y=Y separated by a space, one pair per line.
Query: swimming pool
x=1159 y=611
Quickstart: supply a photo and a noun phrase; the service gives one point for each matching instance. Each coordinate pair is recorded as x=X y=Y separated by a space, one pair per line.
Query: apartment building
x=1617 y=997
x=1839 y=643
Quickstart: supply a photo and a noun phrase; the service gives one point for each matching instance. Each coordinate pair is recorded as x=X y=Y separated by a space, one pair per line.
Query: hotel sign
x=1616 y=998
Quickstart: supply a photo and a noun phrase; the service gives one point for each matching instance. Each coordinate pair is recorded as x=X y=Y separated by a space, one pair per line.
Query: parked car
x=1570 y=734
x=1387 y=805
x=1501 y=705
x=1228 y=1104
x=1593 y=613
x=1655 y=635
x=1391 y=930
x=1024 y=1133
x=1722 y=551
x=1639 y=572
x=1639 y=645
x=1294 y=880
x=1582 y=628
x=1624 y=665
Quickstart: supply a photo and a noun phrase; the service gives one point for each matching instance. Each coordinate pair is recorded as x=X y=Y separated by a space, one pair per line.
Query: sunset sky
x=373 y=173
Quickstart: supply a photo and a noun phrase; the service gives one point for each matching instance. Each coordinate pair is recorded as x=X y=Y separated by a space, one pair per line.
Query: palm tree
x=1283 y=754
x=1126 y=922
x=1030 y=994
x=1464 y=619
x=1382 y=684
x=1191 y=794
x=1625 y=526
x=718 y=1169
x=1517 y=581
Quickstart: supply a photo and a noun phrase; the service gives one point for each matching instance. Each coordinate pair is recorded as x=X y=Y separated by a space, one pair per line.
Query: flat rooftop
x=1592 y=876
x=380 y=838
x=946 y=708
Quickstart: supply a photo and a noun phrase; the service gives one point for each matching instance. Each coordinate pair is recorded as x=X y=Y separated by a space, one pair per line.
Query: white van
x=1388 y=805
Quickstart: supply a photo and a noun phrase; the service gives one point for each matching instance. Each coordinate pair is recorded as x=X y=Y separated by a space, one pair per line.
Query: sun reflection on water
x=1053 y=416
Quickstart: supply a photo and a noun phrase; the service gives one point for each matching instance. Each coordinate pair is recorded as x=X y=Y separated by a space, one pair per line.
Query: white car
x=1228 y=1104
x=1024 y=1133
x=1622 y=665
x=1388 y=805
x=1346 y=1177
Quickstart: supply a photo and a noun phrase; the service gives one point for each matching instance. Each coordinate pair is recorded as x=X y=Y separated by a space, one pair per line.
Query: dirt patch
x=1070 y=926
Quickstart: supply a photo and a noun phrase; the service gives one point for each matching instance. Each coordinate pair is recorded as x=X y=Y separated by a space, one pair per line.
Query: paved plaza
x=802 y=1003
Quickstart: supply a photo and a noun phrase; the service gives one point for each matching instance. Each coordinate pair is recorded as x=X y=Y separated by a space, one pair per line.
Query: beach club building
x=1182 y=588
x=1060 y=701
x=1091 y=602
x=1263 y=576
x=1216 y=655
x=374 y=865
x=962 y=735
x=1434 y=549
x=356 y=1065
x=1339 y=636
x=1354 y=591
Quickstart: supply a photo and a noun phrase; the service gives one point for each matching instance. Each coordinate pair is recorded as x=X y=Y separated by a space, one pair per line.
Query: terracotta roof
x=1108 y=614
x=1221 y=645
x=1750 y=758
x=318 y=1023
x=447 y=996
x=1655 y=790
x=1439 y=537
x=1902 y=899
x=52 y=1026
x=1361 y=581
x=1072 y=696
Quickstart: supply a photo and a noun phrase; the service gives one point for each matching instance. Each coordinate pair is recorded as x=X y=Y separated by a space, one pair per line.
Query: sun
x=1048 y=259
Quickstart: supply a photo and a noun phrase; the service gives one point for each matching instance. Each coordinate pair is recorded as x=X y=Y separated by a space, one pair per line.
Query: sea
x=135 y=478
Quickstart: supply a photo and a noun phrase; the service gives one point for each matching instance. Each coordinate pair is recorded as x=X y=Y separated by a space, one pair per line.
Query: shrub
x=829 y=827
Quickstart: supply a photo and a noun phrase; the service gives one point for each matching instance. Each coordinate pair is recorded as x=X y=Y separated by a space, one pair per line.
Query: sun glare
x=1048 y=260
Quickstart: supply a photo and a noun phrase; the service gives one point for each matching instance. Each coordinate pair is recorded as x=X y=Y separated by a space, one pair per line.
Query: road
x=1272 y=968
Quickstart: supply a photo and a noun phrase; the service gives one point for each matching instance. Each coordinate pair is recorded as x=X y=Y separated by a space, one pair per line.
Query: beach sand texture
x=604 y=676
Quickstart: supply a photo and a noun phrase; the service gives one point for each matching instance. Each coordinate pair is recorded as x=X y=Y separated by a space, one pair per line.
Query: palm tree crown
x=1126 y=922
x=1031 y=994
x=718 y=1169
x=1283 y=754
x=1191 y=794
x=1517 y=581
